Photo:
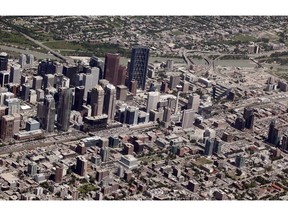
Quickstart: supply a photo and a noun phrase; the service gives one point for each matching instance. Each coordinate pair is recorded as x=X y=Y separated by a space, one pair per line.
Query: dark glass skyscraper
x=273 y=134
x=138 y=65
x=3 y=61
x=50 y=111
x=111 y=68
x=64 y=108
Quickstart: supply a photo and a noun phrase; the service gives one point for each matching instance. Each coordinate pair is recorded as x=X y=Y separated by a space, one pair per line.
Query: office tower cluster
x=65 y=94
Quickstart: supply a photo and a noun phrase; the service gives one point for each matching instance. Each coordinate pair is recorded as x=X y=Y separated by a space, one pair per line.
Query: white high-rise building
x=193 y=102
x=22 y=60
x=152 y=101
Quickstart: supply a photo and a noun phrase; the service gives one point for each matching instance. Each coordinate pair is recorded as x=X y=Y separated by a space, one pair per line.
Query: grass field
x=244 y=38
x=15 y=39
x=85 y=48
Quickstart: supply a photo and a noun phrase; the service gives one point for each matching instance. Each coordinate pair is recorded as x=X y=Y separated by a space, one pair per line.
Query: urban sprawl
x=143 y=108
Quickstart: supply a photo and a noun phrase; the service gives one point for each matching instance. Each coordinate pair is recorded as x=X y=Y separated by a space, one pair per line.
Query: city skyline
x=167 y=108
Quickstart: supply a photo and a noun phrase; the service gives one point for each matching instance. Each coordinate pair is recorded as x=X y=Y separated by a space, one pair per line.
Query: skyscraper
x=22 y=60
x=90 y=80
x=3 y=61
x=48 y=81
x=81 y=166
x=138 y=65
x=209 y=145
x=273 y=134
x=104 y=152
x=111 y=68
x=59 y=173
x=249 y=117
x=131 y=115
x=97 y=62
x=37 y=82
x=64 y=108
x=7 y=127
x=284 y=143
x=122 y=73
x=188 y=118
x=4 y=78
x=25 y=91
x=110 y=101
x=79 y=98
x=193 y=102
x=32 y=169
x=97 y=100
x=15 y=73
x=50 y=111
x=152 y=101
x=13 y=105
x=239 y=161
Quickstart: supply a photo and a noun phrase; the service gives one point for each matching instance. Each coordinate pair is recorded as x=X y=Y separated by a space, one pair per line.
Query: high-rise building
x=239 y=161
x=13 y=105
x=25 y=91
x=7 y=127
x=152 y=101
x=167 y=114
x=46 y=67
x=217 y=146
x=273 y=134
x=105 y=152
x=111 y=68
x=122 y=75
x=59 y=173
x=209 y=145
x=131 y=115
x=193 y=102
x=90 y=80
x=284 y=143
x=121 y=92
x=138 y=65
x=97 y=62
x=188 y=118
x=174 y=81
x=48 y=81
x=79 y=98
x=249 y=117
x=22 y=60
x=97 y=100
x=240 y=123
x=3 y=61
x=113 y=141
x=81 y=166
x=15 y=73
x=64 y=108
x=32 y=169
x=4 y=78
x=71 y=72
x=37 y=82
x=169 y=65
x=110 y=102
x=133 y=87
x=50 y=112
x=30 y=59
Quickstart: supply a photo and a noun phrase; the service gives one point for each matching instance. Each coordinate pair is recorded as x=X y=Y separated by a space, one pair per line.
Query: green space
x=244 y=38
x=87 y=188
x=177 y=33
x=15 y=39
x=62 y=44
x=202 y=161
x=85 y=48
